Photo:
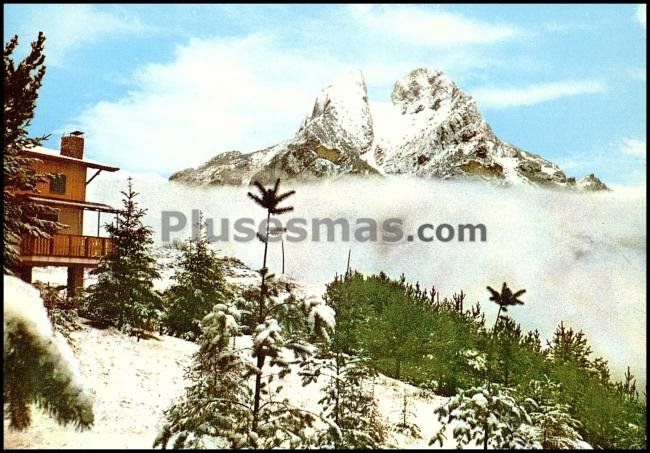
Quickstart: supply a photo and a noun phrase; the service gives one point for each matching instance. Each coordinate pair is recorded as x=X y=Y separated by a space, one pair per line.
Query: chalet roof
x=87 y=205
x=41 y=151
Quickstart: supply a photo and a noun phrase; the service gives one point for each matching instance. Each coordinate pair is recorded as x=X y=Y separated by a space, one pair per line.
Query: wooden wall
x=75 y=179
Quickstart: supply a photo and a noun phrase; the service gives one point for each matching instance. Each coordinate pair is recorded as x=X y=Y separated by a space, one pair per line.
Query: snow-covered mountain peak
x=431 y=128
x=341 y=117
x=424 y=89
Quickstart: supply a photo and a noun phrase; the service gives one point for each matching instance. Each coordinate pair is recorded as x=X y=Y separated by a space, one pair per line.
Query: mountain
x=431 y=128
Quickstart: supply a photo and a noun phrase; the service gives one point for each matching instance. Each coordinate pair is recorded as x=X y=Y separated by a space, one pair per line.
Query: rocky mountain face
x=430 y=129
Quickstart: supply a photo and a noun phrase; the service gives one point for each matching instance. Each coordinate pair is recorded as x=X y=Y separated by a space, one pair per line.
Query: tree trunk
x=485 y=436
x=260 y=357
x=347 y=268
x=494 y=329
x=338 y=389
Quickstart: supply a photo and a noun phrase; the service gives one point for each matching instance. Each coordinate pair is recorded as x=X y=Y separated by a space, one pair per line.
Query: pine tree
x=124 y=295
x=217 y=404
x=20 y=91
x=488 y=416
x=505 y=299
x=223 y=403
x=405 y=426
x=269 y=199
x=198 y=285
x=348 y=403
x=37 y=363
x=553 y=425
x=570 y=347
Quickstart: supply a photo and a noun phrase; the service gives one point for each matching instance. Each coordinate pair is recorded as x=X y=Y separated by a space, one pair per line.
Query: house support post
x=75 y=280
x=26 y=273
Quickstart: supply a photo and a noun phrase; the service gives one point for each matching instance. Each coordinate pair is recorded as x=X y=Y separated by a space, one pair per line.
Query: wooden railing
x=66 y=245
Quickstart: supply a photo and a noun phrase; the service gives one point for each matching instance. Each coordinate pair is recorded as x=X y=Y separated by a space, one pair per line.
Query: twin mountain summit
x=431 y=128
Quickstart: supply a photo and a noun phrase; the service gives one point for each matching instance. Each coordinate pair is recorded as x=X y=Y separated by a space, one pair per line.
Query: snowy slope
x=430 y=128
x=134 y=382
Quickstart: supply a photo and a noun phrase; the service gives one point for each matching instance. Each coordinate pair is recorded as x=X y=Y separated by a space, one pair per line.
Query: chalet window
x=57 y=183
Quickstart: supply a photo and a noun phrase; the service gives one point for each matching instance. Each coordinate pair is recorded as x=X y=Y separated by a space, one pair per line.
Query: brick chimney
x=72 y=145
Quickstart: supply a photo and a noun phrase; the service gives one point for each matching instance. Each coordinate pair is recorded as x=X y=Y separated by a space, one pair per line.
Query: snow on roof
x=57 y=154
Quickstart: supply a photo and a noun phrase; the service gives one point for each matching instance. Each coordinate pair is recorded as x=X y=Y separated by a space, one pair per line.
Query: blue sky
x=160 y=88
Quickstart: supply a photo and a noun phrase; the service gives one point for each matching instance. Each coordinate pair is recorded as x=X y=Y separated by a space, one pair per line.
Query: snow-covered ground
x=133 y=382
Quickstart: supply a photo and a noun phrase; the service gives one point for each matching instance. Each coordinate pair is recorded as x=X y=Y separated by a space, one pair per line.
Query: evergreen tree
x=124 y=295
x=514 y=357
x=268 y=199
x=570 y=347
x=216 y=405
x=198 y=285
x=488 y=416
x=348 y=403
x=223 y=404
x=20 y=91
x=405 y=426
x=505 y=299
x=38 y=365
x=553 y=425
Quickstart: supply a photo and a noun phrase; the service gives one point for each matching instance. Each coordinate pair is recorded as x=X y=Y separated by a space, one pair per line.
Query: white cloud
x=633 y=147
x=415 y=25
x=69 y=26
x=499 y=98
x=216 y=95
x=641 y=15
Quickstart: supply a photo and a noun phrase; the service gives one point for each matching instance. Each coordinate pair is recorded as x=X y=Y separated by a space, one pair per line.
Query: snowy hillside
x=131 y=382
x=134 y=382
x=430 y=128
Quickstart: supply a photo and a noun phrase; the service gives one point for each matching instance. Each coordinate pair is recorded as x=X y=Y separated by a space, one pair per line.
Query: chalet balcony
x=63 y=249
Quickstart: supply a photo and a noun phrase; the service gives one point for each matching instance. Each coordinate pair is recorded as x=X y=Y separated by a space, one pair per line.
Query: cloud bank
x=582 y=257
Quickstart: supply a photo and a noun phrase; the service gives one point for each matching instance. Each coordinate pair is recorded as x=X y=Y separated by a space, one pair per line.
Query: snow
x=57 y=153
x=325 y=313
x=480 y=400
x=23 y=306
x=267 y=333
x=132 y=383
x=23 y=303
x=347 y=99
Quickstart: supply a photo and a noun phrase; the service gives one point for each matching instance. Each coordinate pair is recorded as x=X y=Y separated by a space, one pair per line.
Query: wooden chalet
x=68 y=176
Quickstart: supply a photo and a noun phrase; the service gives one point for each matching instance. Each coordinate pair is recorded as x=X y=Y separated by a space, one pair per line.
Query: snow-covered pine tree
x=198 y=285
x=217 y=409
x=553 y=426
x=38 y=365
x=348 y=404
x=217 y=404
x=124 y=295
x=405 y=425
x=489 y=416
x=234 y=400
x=20 y=90
x=269 y=199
